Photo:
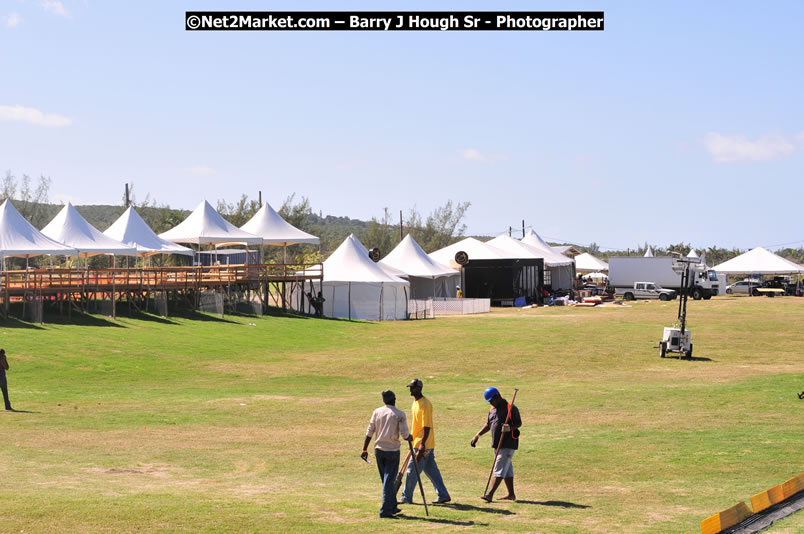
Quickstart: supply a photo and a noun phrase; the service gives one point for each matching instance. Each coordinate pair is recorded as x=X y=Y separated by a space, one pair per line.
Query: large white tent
x=427 y=277
x=274 y=230
x=132 y=230
x=560 y=267
x=205 y=226
x=587 y=263
x=758 y=261
x=355 y=287
x=18 y=237
x=70 y=228
x=474 y=248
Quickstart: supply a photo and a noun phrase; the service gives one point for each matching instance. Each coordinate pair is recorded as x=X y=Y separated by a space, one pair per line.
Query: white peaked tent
x=70 y=228
x=427 y=277
x=205 y=226
x=475 y=249
x=758 y=261
x=274 y=230
x=132 y=230
x=692 y=254
x=649 y=253
x=355 y=287
x=586 y=263
x=18 y=238
x=560 y=267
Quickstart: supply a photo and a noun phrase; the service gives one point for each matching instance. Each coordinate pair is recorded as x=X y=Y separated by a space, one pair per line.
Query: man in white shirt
x=388 y=423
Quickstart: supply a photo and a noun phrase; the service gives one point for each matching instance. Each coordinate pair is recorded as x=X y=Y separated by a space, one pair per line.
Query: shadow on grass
x=472 y=508
x=289 y=314
x=430 y=519
x=13 y=322
x=690 y=359
x=20 y=411
x=202 y=316
x=558 y=504
x=81 y=319
x=143 y=316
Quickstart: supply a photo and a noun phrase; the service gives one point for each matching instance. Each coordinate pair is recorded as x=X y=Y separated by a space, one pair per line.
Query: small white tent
x=427 y=277
x=274 y=230
x=132 y=230
x=758 y=261
x=649 y=253
x=355 y=287
x=586 y=263
x=560 y=267
x=205 y=226
x=474 y=248
x=70 y=228
x=693 y=254
x=18 y=237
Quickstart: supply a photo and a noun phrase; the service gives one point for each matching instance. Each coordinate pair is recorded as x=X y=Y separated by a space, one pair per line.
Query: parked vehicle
x=624 y=271
x=645 y=290
x=745 y=287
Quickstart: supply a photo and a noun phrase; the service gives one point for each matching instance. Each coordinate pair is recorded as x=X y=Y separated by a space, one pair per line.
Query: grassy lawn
x=207 y=425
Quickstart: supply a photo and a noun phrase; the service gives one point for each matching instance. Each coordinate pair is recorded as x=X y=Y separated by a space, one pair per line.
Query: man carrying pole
x=504 y=421
x=388 y=423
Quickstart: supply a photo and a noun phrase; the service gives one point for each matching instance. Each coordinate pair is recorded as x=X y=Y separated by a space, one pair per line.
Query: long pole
x=497 y=450
x=418 y=477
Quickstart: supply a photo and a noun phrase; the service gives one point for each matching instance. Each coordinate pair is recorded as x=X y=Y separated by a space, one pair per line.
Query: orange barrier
x=761 y=501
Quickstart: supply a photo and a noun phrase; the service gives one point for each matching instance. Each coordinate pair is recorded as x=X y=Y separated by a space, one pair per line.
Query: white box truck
x=625 y=270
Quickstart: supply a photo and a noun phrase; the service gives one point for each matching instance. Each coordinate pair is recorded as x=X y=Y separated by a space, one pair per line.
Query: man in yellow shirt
x=423 y=446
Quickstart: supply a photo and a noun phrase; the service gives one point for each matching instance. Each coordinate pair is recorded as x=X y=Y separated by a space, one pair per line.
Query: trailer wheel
x=689 y=352
x=662 y=349
x=663 y=296
x=628 y=296
x=697 y=294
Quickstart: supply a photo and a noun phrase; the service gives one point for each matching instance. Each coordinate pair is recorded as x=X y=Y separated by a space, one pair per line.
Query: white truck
x=624 y=271
x=644 y=290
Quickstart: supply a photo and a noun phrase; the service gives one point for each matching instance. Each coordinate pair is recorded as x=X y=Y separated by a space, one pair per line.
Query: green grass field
x=207 y=425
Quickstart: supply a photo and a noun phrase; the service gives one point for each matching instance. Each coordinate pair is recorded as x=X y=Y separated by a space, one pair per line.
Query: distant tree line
x=441 y=227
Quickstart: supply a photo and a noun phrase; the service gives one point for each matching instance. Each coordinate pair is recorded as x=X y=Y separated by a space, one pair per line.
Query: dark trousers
x=4 y=387
x=388 y=465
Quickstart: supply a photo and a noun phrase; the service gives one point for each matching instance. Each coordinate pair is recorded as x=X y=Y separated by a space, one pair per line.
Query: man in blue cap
x=504 y=422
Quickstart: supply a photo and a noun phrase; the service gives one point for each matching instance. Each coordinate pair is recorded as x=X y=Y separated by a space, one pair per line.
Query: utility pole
x=259 y=194
x=523 y=228
x=128 y=202
x=400 y=225
x=509 y=231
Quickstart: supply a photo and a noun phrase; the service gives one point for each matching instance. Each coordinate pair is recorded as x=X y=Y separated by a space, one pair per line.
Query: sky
x=681 y=122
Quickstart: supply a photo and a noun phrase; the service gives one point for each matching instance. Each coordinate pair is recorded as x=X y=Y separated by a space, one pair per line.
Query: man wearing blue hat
x=504 y=422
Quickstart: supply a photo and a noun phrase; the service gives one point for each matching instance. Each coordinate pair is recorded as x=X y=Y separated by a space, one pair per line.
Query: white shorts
x=504 y=467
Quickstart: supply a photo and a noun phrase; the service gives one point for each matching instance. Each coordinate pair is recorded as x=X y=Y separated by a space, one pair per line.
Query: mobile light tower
x=674 y=339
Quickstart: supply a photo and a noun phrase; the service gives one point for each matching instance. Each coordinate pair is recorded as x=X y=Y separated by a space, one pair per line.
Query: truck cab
x=646 y=290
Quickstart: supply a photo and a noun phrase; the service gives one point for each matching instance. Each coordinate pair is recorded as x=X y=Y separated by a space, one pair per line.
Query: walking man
x=504 y=422
x=423 y=447
x=388 y=423
x=3 y=383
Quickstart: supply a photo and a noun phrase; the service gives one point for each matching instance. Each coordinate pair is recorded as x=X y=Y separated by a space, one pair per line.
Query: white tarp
x=586 y=263
x=357 y=288
x=18 y=237
x=758 y=261
x=274 y=230
x=70 y=228
x=427 y=277
x=205 y=226
x=132 y=230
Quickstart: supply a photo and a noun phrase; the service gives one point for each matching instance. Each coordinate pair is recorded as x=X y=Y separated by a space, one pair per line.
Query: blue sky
x=677 y=123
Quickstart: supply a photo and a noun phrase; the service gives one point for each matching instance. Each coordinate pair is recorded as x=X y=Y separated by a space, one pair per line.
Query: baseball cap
x=415 y=383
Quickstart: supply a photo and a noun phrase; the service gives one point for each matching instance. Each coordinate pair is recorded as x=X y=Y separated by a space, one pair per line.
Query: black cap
x=388 y=396
x=415 y=383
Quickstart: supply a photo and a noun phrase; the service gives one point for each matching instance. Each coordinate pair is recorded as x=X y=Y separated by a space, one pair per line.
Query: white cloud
x=55 y=7
x=472 y=154
x=200 y=170
x=12 y=20
x=732 y=148
x=33 y=116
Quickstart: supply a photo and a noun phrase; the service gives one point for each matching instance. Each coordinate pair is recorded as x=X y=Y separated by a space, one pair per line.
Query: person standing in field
x=388 y=423
x=423 y=447
x=3 y=383
x=504 y=421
